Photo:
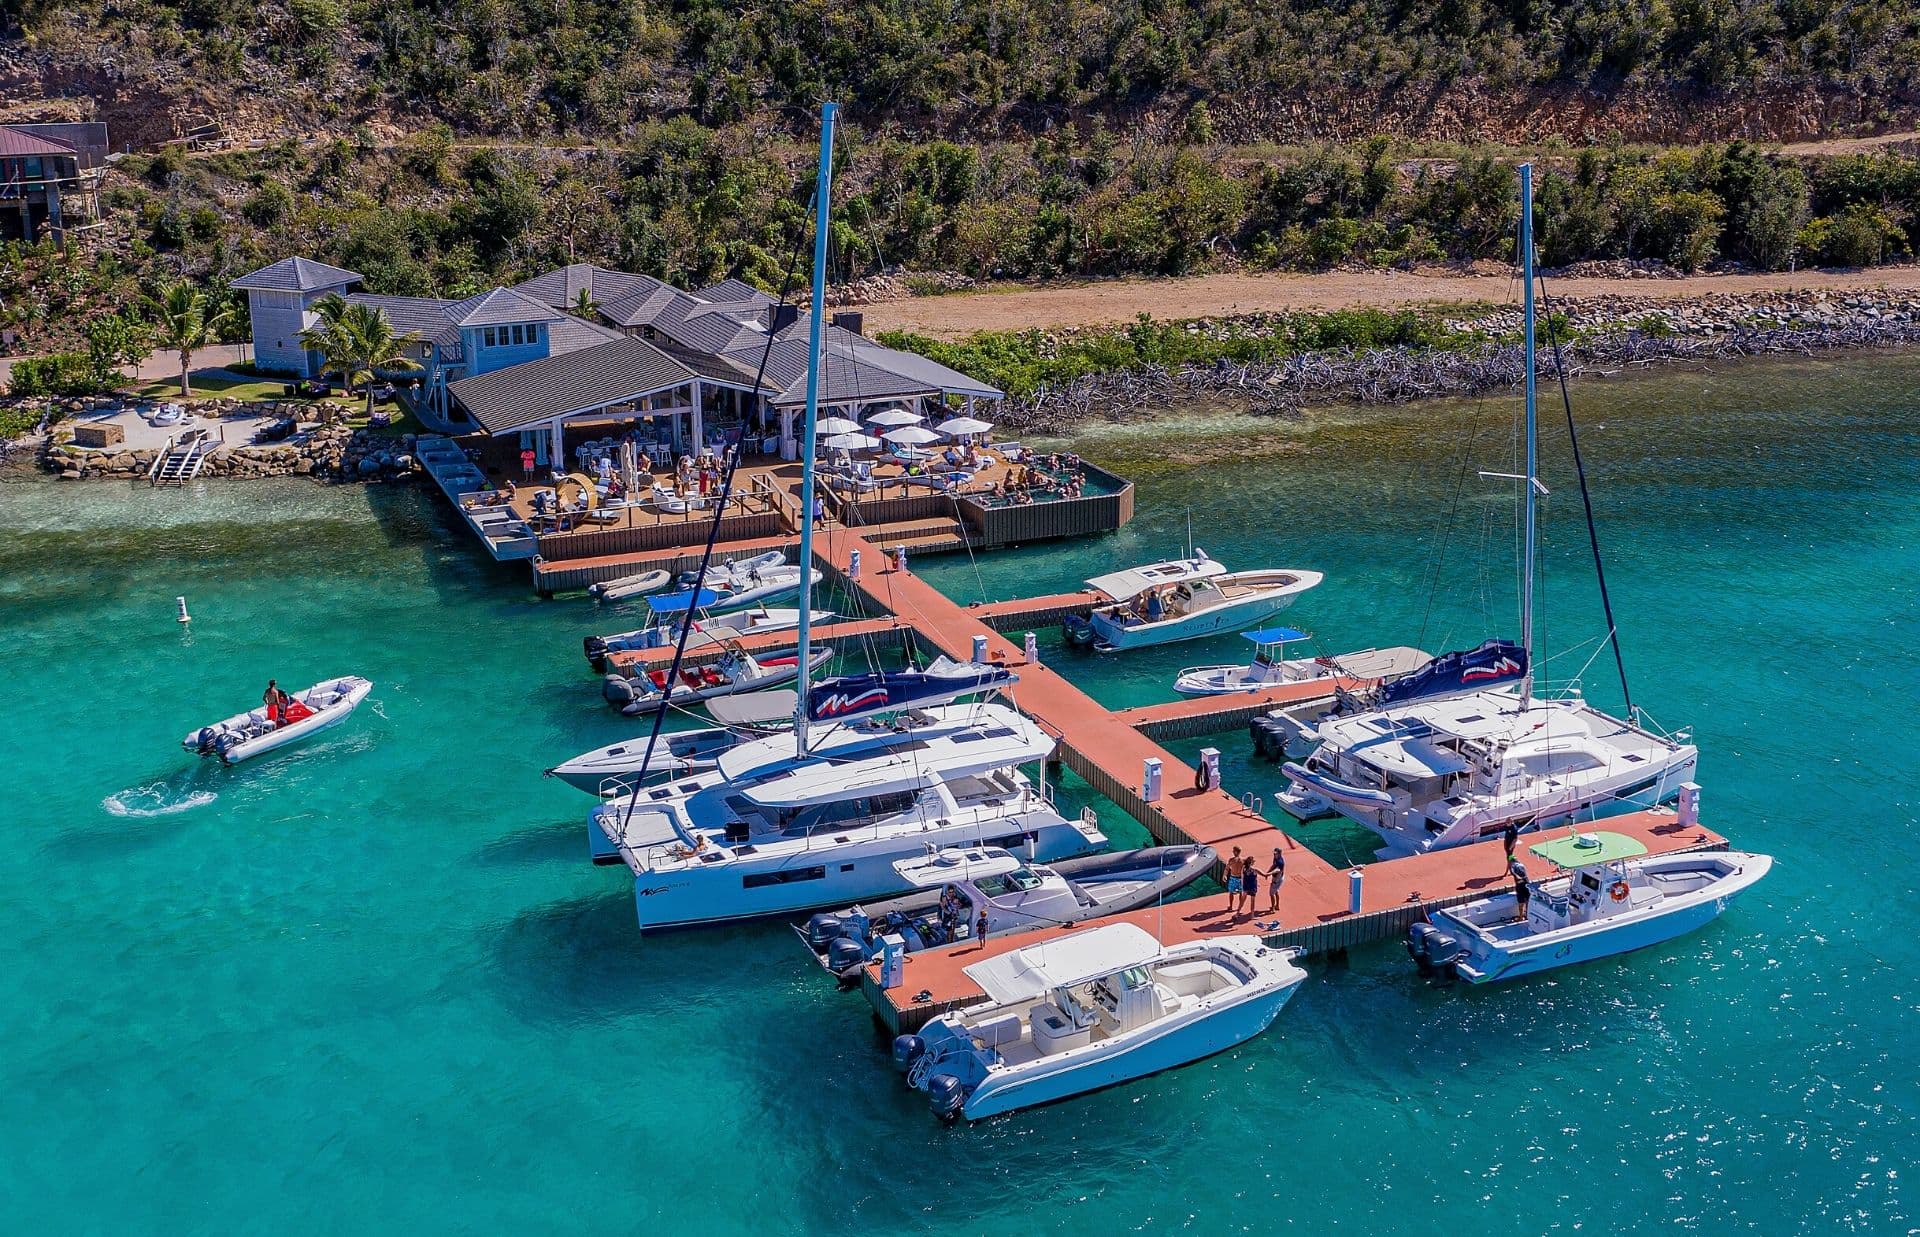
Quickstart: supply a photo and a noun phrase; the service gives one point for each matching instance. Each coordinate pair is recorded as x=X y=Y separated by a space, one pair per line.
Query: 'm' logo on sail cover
x=838 y=703
x=1499 y=669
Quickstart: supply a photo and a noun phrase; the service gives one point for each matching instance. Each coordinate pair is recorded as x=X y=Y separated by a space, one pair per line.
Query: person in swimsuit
x=1250 y=884
x=1236 y=872
x=271 y=698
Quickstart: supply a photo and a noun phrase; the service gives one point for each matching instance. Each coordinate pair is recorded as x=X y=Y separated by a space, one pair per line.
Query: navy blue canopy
x=1492 y=664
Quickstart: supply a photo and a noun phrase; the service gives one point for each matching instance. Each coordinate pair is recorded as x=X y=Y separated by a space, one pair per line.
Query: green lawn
x=232 y=388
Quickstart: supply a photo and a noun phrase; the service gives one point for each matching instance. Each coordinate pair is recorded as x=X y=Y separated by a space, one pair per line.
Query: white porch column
x=789 y=445
x=558 y=451
x=699 y=422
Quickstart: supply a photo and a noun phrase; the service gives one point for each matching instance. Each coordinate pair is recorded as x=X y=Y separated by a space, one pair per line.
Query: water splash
x=155 y=799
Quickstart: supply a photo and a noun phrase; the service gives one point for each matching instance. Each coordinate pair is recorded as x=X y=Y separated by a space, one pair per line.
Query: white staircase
x=182 y=459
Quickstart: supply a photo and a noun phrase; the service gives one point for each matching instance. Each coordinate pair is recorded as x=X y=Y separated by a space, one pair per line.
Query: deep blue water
x=375 y=986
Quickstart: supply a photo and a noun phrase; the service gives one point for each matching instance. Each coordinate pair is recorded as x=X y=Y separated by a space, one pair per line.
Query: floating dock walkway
x=1109 y=751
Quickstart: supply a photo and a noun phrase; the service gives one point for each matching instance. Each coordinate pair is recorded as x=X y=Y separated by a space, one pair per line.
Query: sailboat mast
x=815 y=334
x=1532 y=478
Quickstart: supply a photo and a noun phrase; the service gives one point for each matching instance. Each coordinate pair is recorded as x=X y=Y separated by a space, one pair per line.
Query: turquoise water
x=375 y=985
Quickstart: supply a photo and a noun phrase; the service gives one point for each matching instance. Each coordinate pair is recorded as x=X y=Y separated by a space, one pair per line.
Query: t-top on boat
x=1190 y=609
x=1123 y=586
x=1085 y=1011
x=1612 y=898
x=953 y=888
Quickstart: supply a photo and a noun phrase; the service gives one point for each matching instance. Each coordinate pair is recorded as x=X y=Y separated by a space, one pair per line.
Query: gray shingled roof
x=571 y=334
x=562 y=288
x=296 y=275
x=846 y=379
x=734 y=290
x=646 y=307
x=423 y=315
x=609 y=373
x=735 y=370
x=501 y=306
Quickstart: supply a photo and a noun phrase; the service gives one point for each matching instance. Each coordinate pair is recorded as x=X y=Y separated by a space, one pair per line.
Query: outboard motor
x=906 y=1050
x=618 y=692
x=205 y=740
x=845 y=956
x=822 y=928
x=1431 y=948
x=946 y=1095
x=596 y=650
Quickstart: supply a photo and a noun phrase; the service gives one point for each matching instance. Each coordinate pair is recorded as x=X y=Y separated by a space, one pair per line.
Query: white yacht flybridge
x=1458 y=764
x=819 y=817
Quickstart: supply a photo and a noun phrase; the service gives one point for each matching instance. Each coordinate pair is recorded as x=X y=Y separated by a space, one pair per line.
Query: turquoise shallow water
x=375 y=986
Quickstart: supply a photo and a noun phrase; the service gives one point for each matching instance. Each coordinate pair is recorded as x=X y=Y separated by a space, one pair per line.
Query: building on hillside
x=50 y=179
x=582 y=346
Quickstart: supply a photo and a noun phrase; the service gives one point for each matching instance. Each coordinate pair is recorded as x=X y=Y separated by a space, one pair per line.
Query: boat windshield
x=1020 y=880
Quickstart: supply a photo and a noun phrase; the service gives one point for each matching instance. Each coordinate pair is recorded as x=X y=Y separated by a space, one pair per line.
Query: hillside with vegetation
x=1292 y=70
x=442 y=148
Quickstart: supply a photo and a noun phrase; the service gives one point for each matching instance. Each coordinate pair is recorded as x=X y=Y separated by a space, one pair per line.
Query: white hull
x=333 y=702
x=1123 y=1060
x=1236 y=610
x=623 y=764
x=1492 y=958
x=695 y=897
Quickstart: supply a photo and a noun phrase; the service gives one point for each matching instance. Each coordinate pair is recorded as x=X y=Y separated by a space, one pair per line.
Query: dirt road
x=1022 y=308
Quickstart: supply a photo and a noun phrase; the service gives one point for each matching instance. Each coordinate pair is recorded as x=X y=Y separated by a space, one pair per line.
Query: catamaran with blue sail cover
x=1430 y=764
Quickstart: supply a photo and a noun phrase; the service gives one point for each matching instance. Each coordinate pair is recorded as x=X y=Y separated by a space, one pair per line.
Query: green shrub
x=61 y=373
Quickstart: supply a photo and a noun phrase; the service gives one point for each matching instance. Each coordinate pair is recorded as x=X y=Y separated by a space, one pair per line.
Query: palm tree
x=186 y=322
x=357 y=341
x=584 y=306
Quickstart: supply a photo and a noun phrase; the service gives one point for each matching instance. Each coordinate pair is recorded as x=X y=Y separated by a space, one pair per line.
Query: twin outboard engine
x=822 y=928
x=596 y=650
x=906 y=1050
x=207 y=741
x=845 y=956
x=947 y=1096
x=1433 y=950
x=1269 y=737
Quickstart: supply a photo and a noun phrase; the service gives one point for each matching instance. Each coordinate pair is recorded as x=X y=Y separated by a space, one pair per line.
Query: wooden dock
x=1314 y=913
x=1109 y=749
x=702 y=652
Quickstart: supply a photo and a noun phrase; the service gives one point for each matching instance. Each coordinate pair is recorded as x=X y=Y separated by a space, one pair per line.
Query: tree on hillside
x=358 y=343
x=185 y=322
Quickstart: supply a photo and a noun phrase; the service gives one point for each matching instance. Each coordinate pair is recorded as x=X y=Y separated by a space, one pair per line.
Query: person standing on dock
x=1250 y=883
x=1236 y=872
x=1510 y=837
x=1276 y=874
x=1522 y=891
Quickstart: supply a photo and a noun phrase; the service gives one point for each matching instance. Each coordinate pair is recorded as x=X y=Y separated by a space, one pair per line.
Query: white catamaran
x=1443 y=771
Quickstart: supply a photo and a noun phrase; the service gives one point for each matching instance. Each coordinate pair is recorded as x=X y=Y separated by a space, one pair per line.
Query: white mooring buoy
x=182 y=603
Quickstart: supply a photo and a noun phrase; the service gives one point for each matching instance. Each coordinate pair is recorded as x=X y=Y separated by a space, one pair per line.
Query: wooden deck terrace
x=1314 y=913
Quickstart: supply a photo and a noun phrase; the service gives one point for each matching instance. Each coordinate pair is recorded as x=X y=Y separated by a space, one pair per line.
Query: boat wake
x=155 y=799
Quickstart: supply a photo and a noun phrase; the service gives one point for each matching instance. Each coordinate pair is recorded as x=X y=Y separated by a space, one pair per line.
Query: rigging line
x=1586 y=500
x=733 y=454
x=1446 y=527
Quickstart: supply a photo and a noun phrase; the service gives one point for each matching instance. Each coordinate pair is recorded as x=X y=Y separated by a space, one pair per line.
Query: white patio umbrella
x=836 y=425
x=896 y=416
x=958 y=427
x=629 y=467
x=851 y=442
x=911 y=436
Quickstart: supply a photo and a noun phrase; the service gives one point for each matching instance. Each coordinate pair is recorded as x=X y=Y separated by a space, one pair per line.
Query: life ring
x=1619 y=891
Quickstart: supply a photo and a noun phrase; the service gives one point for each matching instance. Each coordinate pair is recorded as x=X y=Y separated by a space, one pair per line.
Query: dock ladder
x=182 y=459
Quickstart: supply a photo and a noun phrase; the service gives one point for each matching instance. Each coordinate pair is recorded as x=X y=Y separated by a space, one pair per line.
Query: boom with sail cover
x=1492 y=664
x=854 y=696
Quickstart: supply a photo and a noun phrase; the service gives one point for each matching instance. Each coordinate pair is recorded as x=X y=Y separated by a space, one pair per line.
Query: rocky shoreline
x=1607 y=335
x=322 y=451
